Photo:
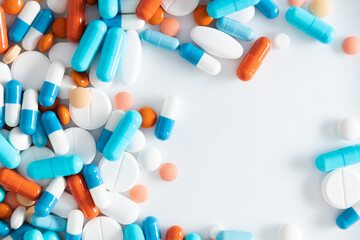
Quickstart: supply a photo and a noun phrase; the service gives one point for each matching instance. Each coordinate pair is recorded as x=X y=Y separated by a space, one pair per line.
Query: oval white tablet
x=95 y=82
x=63 y=52
x=216 y=42
x=30 y=69
x=5 y=74
x=341 y=188
x=102 y=228
x=81 y=143
x=18 y=217
x=19 y=140
x=137 y=143
x=120 y=175
x=179 y=7
x=121 y=209
x=65 y=205
x=58 y=6
x=30 y=155
x=290 y=232
x=244 y=15
x=67 y=84
x=149 y=159
x=94 y=115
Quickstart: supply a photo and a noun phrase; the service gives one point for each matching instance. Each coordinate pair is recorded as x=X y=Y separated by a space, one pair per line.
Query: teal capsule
x=193 y=236
x=337 y=159
x=234 y=235
x=235 y=29
x=133 y=232
x=160 y=40
x=49 y=235
x=50 y=222
x=39 y=138
x=33 y=234
x=2 y=194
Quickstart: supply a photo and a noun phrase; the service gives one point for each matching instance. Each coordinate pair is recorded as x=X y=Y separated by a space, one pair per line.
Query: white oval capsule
x=179 y=7
x=290 y=232
x=58 y=6
x=18 y=217
x=19 y=140
x=74 y=225
x=65 y=205
x=29 y=112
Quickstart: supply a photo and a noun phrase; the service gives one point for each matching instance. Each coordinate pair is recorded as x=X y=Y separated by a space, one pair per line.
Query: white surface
x=59 y=142
x=5 y=74
x=102 y=228
x=56 y=187
x=290 y=232
x=63 y=52
x=67 y=84
x=81 y=143
x=58 y=6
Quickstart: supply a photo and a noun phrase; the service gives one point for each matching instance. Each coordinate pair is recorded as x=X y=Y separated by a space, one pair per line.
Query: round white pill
x=63 y=52
x=67 y=84
x=349 y=128
x=18 y=217
x=81 y=143
x=244 y=15
x=102 y=228
x=58 y=6
x=149 y=159
x=214 y=230
x=19 y=140
x=137 y=143
x=290 y=232
x=179 y=7
x=5 y=74
x=281 y=41
x=341 y=188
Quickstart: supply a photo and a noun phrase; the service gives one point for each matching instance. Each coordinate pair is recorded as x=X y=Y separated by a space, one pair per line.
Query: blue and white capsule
x=9 y=157
x=74 y=225
x=220 y=8
x=349 y=217
x=235 y=29
x=108 y=8
x=33 y=234
x=4 y=228
x=51 y=85
x=50 y=222
x=23 y=21
x=127 y=6
x=234 y=235
x=39 y=138
x=133 y=232
x=268 y=8
x=200 y=59
x=50 y=235
x=151 y=228
x=2 y=107
x=310 y=24
x=160 y=40
x=109 y=128
x=29 y=112
x=55 y=133
x=38 y=28
x=19 y=233
x=166 y=121
x=96 y=186
x=12 y=103
x=50 y=196
x=124 y=21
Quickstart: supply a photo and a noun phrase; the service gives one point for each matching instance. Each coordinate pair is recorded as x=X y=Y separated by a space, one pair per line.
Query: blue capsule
x=151 y=228
x=20 y=232
x=235 y=29
x=51 y=85
x=349 y=217
x=49 y=235
x=133 y=232
x=268 y=8
x=12 y=103
x=39 y=138
x=29 y=112
x=108 y=8
x=221 y=8
x=33 y=234
x=193 y=236
x=160 y=40
x=9 y=157
x=4 y=228
x=2 y=194
x=96 y=186
x=166 y=121
x=234 y=235
x=50 y=222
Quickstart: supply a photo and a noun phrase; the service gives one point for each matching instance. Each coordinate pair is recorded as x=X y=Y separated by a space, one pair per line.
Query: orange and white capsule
x=4 y=42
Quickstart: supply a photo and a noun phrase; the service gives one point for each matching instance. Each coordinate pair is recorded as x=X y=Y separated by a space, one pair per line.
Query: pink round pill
x=351 y=45
x=168 y=172
x=138 y=193
x=123 y=101
x=296 y=3
x=170 y=27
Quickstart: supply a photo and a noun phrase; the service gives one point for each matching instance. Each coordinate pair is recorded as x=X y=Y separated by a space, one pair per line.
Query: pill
x=160 y=40
x=23 y=201
x=12 y=7
x=67 y=84
x=281 y=40
x=341 y=188
x=23 y=21
x=121 y=175
x=168 y=172
x=200 y=59
x=170 y=27
x=10 y=199
x=243 y=16
x=49 y=235
x=18 y=217
x=59 y=27
x=290 y=232
x=65 y=205
x=88 y=46
x=46 y=42
x=9 y=157
x=82 y=196
x=268 y=8
x=349 y=128
x=51 y=108
x=108 y=8
x=75 y=20
x=12 y=103
x=50 y=222
x=147 y=8
x=138 y=193
x=339 y=158
x=127 y=6
x=253 y=59
x=19 y=140
x=39 y=138
x=96 y=186
x=2 y=194
x=95 y=82
x=2 y=107
x=351 y=45
x=33 y=234
x=221 y=8
x=102 y=228
x=4 y=42
x=201 y=16
x=320 y=8
x=80 y=97
x=179 y=7
x=29 y=112
x=137 y=143
x=175 y=233
x=235 y=29
x=151 y=228
x=30 y=211
x=149 y=117
x=296 y=3
x=50 y=197
x=123 y=101
x=349 y=217
x=63 y=114
x=81 y=79
x=58 y=6
x=11 y=54
x=158 y=17
x=124 y=21
x=133 y=231
x=5 y=211
x=310 y=24
x=38 y=28
x=74 y=225
x=168 y=114
x=193 y=236
x=227 y=235
x=81 y=143
x=55 y=132
x=19 y=233
x=108 y=130
x=5 y=73
x=149 y=159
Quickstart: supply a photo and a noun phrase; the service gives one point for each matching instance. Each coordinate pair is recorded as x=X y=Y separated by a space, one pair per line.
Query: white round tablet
x=63 y=52
x=65 y=205
x=290 y=232
x=149 y=159
x=137 y=143
x=281 y=41
x=58 y=6
x=18 y=217
x=349 y=128
x=30 y=69
x=67 y=84
x=81 y=143
x=94 y=115
x=95 y=82
x=179 y=7
x=102 y=228
x=30 y=155
x=244 y=15
x=341 y=188
x=19 y=140
x=5 y=74
x=214 y=230
x=120 y=175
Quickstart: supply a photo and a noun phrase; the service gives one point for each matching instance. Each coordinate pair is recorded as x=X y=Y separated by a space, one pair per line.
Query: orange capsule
x=63 y=114
x=147 y=8
x=18 y=184
x=201 y=16
x=158 y=17
x=149 y=117
x=51 y=108
x=91 y=2
x=82 y=196
x=5 y=211
x=4 y=42
x=175 y=233
x=75 y=21
x=11 y=200
x=59 y=27
x=253 y=59
x=46 y=42
x=12 y=7
x=80 y=78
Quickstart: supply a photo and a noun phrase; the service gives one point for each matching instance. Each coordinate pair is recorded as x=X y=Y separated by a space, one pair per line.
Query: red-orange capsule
x=147 y=8
x=75 y=21
x=253 y=59
x=175 y=233
x=17 y=183
x=12 y=7
x=82 y=196
x=4 y=42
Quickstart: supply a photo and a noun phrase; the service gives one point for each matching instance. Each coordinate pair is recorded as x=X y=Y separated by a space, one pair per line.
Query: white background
x=246 y=150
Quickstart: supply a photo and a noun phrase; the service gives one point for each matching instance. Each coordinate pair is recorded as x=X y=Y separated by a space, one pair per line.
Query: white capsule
x=75 y=224
x=65 y=205
x=149 y=159
x=349 y=128
x=56 y=187
x=58 y=6
x=18 y=217
x=12 y=103
x=131 y=21
x=29 y=112
x=290 y=232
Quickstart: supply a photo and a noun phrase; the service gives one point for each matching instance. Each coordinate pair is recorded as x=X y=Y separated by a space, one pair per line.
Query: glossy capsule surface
x=175 y=233
x=221 y=8
x=4 y=42
x=12 y=7
x=133 y=232
x=268 y=8
x=151 y=228
x=75 y=21
x=147 y=8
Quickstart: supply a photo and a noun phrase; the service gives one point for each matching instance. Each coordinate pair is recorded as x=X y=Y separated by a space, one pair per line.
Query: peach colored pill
x=80 y=97
x=320 y=8
x=30 y=211
x=296 y=3
x=10 y=199
x=149 y=117
x=201 y=16
x=46 y=42
x=59 y=27
x=170 y=27
x=63 y=114
x=158 y=17
x=123 y=101
x=12 y=7
x=80 y=78
x=11 y=54
x=351 y=45
x=23 y=201
x=5 y=211
x=51 y=108
x=138 y=193
x=168 y=172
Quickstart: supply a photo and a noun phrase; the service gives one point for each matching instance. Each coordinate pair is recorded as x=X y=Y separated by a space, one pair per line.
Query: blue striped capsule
x=234 y=235
x=12 y=103
x=33 y=234
x=151 y=228
x=235 y=29
x=108 y=8
x=268 y=8
x=221 y=8
x=50 y=222
x=109 y=128
x=29 y=112
x=160 y=40
x=133 y=232
x=19 y=233
x=4 y=228
x=39 y=138
x=49 y=235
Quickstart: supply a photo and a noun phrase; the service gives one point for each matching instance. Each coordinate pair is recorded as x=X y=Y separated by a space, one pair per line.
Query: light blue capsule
x=2 y=194
x=268 y=8
x=234 y=235
x=310 y=24
x=50 y=222
x=20 y=232
x=39 y=138
x=33 y=234
x=9 y=157
x=221 y=8
x=49 y=235
x=4 y=228
x=92 y=176
x=235 y=29
x=160 y=40
x=193 y=236
x=151 y=228
x=133 y=232
x=108 y=8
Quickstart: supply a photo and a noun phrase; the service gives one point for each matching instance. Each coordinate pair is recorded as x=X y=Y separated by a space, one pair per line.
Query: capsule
x=51 y=85
x=9 y=157
x=124 y=21
x=349 y=217
x=49 y=235
x=160 y=40
x=253 y=59
x=221 y=8
x=89 y=45
x=4 y=228
x=310 y=24
x=151 y=228
x=2 y=194
x=4 y=42
x=2 y=107
x=75 y=225
x=193 y=236
x=29 y=112
x=18 y=184
x=127 y=6
x=234 y=235
x=55 y=132
x=109 y=128
x=12 y=103
x=108 y=8
x=200 y=59
x=122 y=136
x=39 y=138
x=33 y=234
x=75 y=21
x=235 y=29
x=23 y=21
x=19 y=233
x=338 y=159
x=111 y=54
x=50 y=222
x=82 y=196
x=147 y=8
x=175 y=233
x=133 y=232
x=268 y=8
x=96 y=186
